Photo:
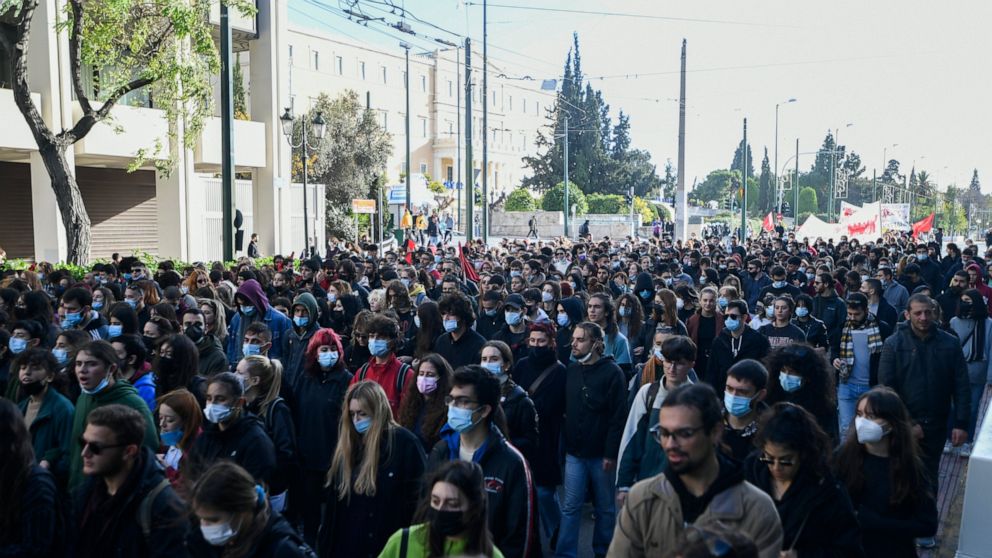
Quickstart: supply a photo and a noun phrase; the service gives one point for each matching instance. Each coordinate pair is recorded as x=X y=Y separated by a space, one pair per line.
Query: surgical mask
x=513 y=318
x=251 y=349
x=426 y=384
x=736 y=405
x=216 y=413
x=722 y=302
x=97 y=304
x=450 y=325
x=171 y=438
x=778 y=284
x=624 y=311
x=802 y=311
x=494 y=368
x=327 y=359
x=490 y=312
x=332 y=297
x=378 y=347
x=547 y=297
x=115 y=330
x=217 y=535
x=769 y=312
x=868 y=430
x=17 y=345
x=131 y=302
x=100 y=387
x=127 y=276
x=790 y=382
x=71 y=319
x=301 y=321
x=362 y=425
x=416 y=321
x=658 y=354
x=679 y=303
x=731 y=324
x=248 y=310
x=61 y=355
x=562 y=320
x=921 y=257
x=460 y=419
x=515 y=273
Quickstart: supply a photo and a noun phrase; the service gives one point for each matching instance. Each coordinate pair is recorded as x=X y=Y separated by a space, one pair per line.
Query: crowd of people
x=777 y=397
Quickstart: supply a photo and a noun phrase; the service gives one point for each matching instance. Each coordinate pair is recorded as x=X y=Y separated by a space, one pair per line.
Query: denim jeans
x=549 y=509
x=977 y=391
x=847 y=404
x=579 y=474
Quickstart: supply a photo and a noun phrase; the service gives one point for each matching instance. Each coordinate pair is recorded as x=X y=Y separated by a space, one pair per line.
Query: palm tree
x=923 y=186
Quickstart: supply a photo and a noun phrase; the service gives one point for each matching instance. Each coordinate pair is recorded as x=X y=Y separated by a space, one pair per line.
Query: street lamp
x=319 y=129
x=778 y=180
x=406 y=47
x=885 y=159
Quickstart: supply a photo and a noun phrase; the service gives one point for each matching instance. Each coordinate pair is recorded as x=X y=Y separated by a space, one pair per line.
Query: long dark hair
x=789 y=425
x=16 y=460
x=979 y=312
x=413 y=401
x=906 y=471
x=635 y=320
x=226 y=487
x=176 y=372
x=817 y=394
x=467 y=477
x=431 y=326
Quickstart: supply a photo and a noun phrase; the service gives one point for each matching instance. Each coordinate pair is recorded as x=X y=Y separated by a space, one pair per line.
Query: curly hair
x=789 y=425
x=817 y=394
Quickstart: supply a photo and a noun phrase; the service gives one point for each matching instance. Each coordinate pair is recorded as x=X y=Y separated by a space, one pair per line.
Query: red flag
x=411 y=247
x=768 y=224
x=922 y=226
x=467 y=268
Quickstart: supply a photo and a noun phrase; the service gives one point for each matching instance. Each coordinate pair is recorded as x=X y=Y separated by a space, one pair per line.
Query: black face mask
x=195 y=333
x=33 y=388
x=964 y=309
x=448 y=523
x=149 y=342
x=541 y=355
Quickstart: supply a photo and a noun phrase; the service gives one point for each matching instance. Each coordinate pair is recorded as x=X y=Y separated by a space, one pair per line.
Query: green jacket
x=121 y=393
x=417 y=545
x=51 y=431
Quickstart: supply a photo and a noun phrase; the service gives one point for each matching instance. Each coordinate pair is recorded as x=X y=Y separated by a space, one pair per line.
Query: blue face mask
x=406 y=282
x=97 y=304
x=328 y=359
x=72 y=319
x=362 y=425
x=736 y=405
x=778 y=284
x=722 y=302
x=789 y=382
x=769 y=312
x=332 y=297
x=248 y=310
x=132 y=303
x=459 y=419
x=646 y=294
x=450 y=325
x=172 y=438
x=61 y=355
x=513 y=318
x=301 y=321
x=515 y=273
x=17 y=345
x=731 y=324
x=491 y=312
x=802 y=311
x=251 y=349
x=100 y=387
x=378 y=347
x=624 y=311
x=921 y=257
x=127 y=276
x=494 y=368
x=115 y=330
x=563 y=320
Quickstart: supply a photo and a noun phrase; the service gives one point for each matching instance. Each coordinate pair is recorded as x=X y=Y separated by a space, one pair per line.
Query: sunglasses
x=770 y=461
x=97 y=448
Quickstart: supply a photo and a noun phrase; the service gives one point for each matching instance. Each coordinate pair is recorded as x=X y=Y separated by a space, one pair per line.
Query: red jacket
x=387 y=376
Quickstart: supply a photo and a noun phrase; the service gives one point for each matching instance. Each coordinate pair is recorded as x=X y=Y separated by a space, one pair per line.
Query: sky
x=909 y=79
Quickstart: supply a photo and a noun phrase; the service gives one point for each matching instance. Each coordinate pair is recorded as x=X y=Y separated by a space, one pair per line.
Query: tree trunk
x=70 y=201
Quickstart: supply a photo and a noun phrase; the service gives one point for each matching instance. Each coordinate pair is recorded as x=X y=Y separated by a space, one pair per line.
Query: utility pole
x=485 y=122
x=680 y=202
x=833 y=173
x=795 y=193
x=469 y=170
x=406 y=79
x=566 y=208
x=227 y=132
x=458 y=136
x=744 y=186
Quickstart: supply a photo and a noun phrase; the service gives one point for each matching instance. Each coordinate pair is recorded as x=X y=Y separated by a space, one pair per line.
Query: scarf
x=847 y=340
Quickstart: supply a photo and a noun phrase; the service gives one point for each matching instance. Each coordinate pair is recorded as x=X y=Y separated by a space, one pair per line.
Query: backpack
x=652 y=395
x=145 y=509
x=400 y=376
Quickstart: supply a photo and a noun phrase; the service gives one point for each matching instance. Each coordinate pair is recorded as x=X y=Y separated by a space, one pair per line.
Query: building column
x=174 y=206
x=269 y=94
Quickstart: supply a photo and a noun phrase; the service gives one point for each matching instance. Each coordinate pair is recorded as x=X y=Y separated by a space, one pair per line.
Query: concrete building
x=179 y=215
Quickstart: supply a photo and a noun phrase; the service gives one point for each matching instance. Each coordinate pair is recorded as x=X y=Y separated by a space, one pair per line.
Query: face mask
x=332 y=297
x=33 y=388
x=547 y=297
x=248 y=310
x=494 y=368
x=770 y=312
x=731 y=324
x=513 y=318
x=790 y=382
x=115 y=330
x=426 y=384
x=658 y=354
x=250 y=349
x=194 y=332
x=98 y=304
x=736 y=405
x=722 y=302
x=127 y=276
x=668 y=281
x=131 y=302
x=562 y=320
x=406 y=282
x=216 y=413
x=362 y=425
x=450 y=325
x=71 y=319
x=17 y=345
x=416 y=321
x=459 y=419
x=490 y=312
x=921 y=257
x=172 y=438
x=868 y=430
x=964 y=310
x=447 y=523
x=100 y=387
x=217 y=535
x=778 y=284
x=327 y=359
x=679 y=303
x=378 y=347
x=624 y=311
x=802 y=311
x=515 y=273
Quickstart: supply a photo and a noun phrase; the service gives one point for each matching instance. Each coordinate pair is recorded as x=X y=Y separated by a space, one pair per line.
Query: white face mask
x=217 y=535
x=868 y=430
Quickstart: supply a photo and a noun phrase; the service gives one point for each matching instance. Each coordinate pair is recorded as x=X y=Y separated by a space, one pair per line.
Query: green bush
x=520 y=200
x=807 y=201
x=606 y=204
x=553 y=199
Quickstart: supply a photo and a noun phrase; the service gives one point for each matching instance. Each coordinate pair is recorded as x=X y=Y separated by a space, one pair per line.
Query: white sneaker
x=948 y=448
x=965 y=450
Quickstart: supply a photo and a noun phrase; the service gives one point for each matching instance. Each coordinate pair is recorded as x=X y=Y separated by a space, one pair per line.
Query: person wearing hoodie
x=296 y=340
x=76 y=312
x=134 y=367
x=929 y=269
x=571 y=311
x=253 y=306
x=47 y=413
x=521 y=417
x=644 y=291
x=212 y=358
x=976 y=280
x=974 y=327
x=96 y=369
x=736 y=343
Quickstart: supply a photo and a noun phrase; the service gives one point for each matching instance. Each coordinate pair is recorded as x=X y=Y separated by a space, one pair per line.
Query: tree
x=975 y=186
x=716 y=186
x=669 y=182
x=554 y=199
x=766 y=190
x=240 y=98
x=807 y=202
x=165 y=46
x=605 y=204
x=891 y=173
x=353 y=153
x=520 y=200
x=738 y=162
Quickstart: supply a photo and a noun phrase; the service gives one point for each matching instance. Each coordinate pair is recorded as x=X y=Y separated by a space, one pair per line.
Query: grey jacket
x=979 y=371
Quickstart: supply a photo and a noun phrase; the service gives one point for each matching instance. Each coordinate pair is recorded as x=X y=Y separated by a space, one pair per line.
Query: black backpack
x=400 y=377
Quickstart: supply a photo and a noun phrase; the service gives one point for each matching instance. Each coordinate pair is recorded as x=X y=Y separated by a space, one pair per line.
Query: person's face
x=121 y=352
x=168 y=419
x=357 y=410
x=596 y=309
x=300 y=312
x=603 y=275
x=920 y=315
x=707 y=302
x=448 y=268
x=98 y=296
x=218 y=394
x=492 y=355
x=33 y=373
x=864 y=410
x=676 y=372
x=253 y=338
x=965 y=299
x=151 y=330
x=683 y=439
x=516 y=284
x=448 y=288
x=782 y=311
x=538 y=339
x=781 y=460
x=582 y=343
x=972 y=277
x=744 y=388
x=192 y=320
x=90 y=371
x=819 y=286
x=428 y=369
x=102 y=454
x=70 y=307
x=278 y=281
x=448 y=497
x=752 y=269
x=865 y=289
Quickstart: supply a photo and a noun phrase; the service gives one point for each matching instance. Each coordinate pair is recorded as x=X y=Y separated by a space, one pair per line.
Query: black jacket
x=487 y=326
x=277 y=540
x=549 y=401
x=244 y=442
x=927 y=374
x=41 y=521
x=109 y=526
x=574 y=308
x=319 y=404
x=278 y=423
x=595 y=409
x=752 y=345
x=511 y=502
x=817 y=518
x=521 y=418
x=814 y=332
x=464 y=351
x=833 y=313
x=397 y=489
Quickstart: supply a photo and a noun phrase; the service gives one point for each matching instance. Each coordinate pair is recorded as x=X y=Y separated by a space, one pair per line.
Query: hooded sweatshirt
x=296 y=340
x=573 y=308
x=277 y=322
x=644 y=283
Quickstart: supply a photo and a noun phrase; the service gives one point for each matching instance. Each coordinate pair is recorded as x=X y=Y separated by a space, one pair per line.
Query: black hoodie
x=244 y=442
x=277 y=540
x=574 y=309
x=595 y=409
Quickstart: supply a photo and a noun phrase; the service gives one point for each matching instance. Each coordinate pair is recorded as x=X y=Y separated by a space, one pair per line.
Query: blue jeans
x=579 y=473
x=847 y=404
x=977 y=391
x=548 y=508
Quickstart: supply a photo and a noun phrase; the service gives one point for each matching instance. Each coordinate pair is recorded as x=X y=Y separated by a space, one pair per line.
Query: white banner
x=895 y=216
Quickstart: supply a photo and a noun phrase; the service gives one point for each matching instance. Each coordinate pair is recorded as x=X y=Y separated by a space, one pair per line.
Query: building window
x=339 y=65
x=316 y=61
x=423 y=83
x=510 y=98
x=384 y=120
x=361 y=70
x=423 y=168
x=384 y=75
x=423 y=127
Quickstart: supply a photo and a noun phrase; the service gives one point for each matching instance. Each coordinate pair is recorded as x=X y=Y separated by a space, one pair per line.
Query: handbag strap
x=540 y=379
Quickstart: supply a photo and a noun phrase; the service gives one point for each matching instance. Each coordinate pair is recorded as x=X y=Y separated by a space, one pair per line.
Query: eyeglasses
x=682 y=434
x=770 y=461
x=96 y=448
x=459 y=402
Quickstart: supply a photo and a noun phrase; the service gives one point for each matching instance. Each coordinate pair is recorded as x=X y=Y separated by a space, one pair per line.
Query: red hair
x=323 y=336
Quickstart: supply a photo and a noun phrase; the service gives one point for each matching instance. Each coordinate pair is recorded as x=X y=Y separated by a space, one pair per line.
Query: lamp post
x=778 y=180
x=406 y=85
x=885 y=159
x=319 y=128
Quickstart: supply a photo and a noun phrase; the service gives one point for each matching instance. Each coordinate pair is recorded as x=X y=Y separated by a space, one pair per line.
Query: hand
x=638 y=351
x=917 y=431
x=788 y=554
x=609 y=464
x=45 y=464
x=621 y=498
x=837 y=362
x=958 y=437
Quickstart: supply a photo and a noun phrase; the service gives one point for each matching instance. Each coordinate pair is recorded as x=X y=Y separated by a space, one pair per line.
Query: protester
x=736 y=343
x=859 y=356
x=800 y=374
x=179 y=420
x=973 y=327
x=459 y=344
x=423 y=410
x=48 y=415
x=743 y=403
x=518 y=408
x=384 y=368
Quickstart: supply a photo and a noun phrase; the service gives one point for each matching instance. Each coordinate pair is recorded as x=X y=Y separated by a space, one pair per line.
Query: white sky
x=908 y=72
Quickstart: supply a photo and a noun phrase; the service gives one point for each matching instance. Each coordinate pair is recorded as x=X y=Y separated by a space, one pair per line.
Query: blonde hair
x=220 y=318
x=269 y=372
x=361 y=450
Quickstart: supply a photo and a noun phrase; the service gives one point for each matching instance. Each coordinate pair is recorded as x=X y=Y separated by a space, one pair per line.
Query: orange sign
x=363 y=206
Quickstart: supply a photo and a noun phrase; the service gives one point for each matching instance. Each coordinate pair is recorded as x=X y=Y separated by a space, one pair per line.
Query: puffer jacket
x=278 y=323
